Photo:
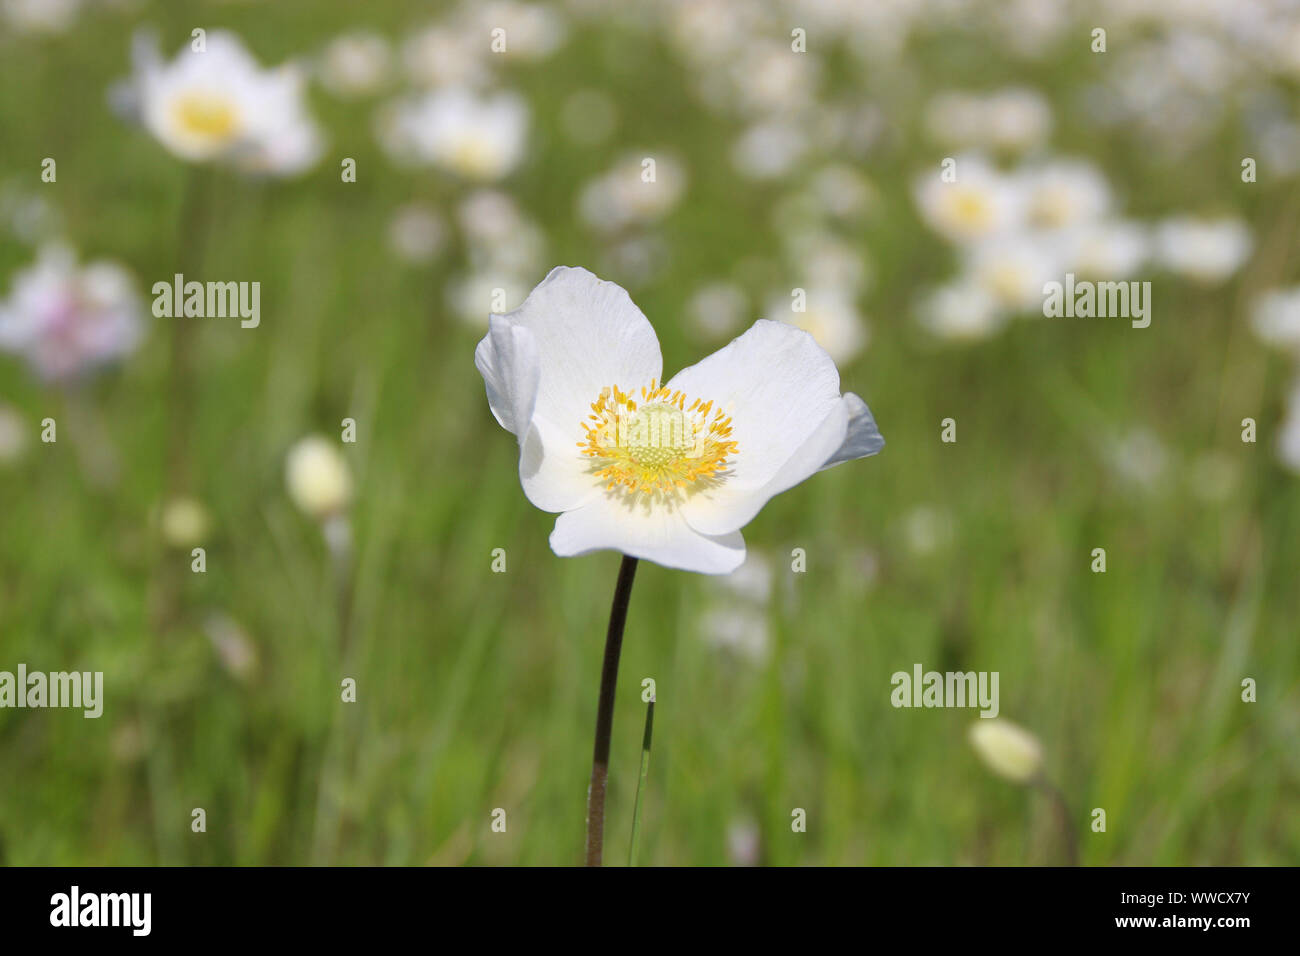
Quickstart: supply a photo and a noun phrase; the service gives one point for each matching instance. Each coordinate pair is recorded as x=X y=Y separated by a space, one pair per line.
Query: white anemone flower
x=981 y=201
x=1066 y=193
x=219 y=104
x=1205 y=250
x=961 y=312
x=67 y=320
x=1013 y=268
x=831 y=317
x=666 y=472
x=1275 y=318
x=481 y=138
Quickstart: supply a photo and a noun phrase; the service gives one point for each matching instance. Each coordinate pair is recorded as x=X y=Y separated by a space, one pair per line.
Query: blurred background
x=795 y=145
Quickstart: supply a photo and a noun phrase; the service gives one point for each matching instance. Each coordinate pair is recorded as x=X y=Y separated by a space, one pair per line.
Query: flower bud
x=317 y=477
x=1009 y=751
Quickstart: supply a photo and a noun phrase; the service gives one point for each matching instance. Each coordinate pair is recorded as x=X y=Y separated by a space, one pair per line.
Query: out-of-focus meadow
x=775 y=170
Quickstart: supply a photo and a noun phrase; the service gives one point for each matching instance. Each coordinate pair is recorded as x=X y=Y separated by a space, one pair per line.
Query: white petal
x=781 y=390
x=863 y=438
x=730 y=507
x=655 y=534
x=507 y=358
x=589 y=336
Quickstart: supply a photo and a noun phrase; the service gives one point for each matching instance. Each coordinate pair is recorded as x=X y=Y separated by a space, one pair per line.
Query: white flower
x=769 y=149
x=1013 y=269
x=1107 y=250
x=66 y=321
x=355 y=64
x=470 y=295
x=1012 y=119
x=961 y=312
x=531 y=31
x=442 y=56
x=1066 y=193
x=672 y=472
x=831 y=318
x=1288 y=439
x=478 y=137
x=737 y=628
x=1276 y=318
x=184 y=522
x=416 y=233
x=979 y=203
x=40 y=16
x=1207 y=251
x=220 y=105
x=1009 y=751
x=317 y=477
x=13 y=435
x=751 y=582
x=715 y=309
x=623 y=196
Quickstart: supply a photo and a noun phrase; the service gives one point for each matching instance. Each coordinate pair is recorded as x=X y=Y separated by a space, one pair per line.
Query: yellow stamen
x=658 y=449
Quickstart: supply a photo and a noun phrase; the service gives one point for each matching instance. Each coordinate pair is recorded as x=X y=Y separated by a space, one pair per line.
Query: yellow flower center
x=475 y=156
x=206 y=115
x=659 y=447
x=971 y=209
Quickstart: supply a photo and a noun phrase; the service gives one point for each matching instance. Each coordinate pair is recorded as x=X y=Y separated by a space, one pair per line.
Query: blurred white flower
x=234 y=648
x=13 y=435
x=1013 y=269
x=1013 y=119
x=717 y=309
x=219 y=104
x=843 y=191
x=317 y=477
x=532 y=31
x=821 y=260
x=471 y=296
x=1137 y=457
x=623 y=196
x=67 y=320
x=1007 y=749
x=416 y=233
x=40 y=16
x=737 y=628
x=926 y=529
x=751 y=582
x=961 y=311
x=769 y=149
x=1275 y=318
x=1208 y=251
x=981 y=202
x=442 y=56
x=184 y=523
x=478 y=137
x=744 y=842
x=355 y=64
x=1288 y=439
x=830 y=317
x=1108 y=250
x=1066 y=193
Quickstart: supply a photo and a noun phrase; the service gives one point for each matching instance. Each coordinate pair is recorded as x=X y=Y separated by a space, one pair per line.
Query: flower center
x=206 y=115
x=971 y=209
x=660 y=447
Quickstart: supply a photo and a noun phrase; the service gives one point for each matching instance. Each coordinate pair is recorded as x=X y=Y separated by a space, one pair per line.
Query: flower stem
x=1063 y=819
x=605 y=712
x=640 y=786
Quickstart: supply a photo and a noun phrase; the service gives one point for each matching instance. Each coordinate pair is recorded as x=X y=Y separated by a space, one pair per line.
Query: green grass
x=478 y=690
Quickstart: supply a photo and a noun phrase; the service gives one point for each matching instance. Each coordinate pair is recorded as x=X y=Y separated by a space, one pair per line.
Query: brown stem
x=605 y=712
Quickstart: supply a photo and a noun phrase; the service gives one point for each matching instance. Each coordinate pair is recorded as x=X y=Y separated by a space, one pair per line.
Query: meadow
x=475 y=689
